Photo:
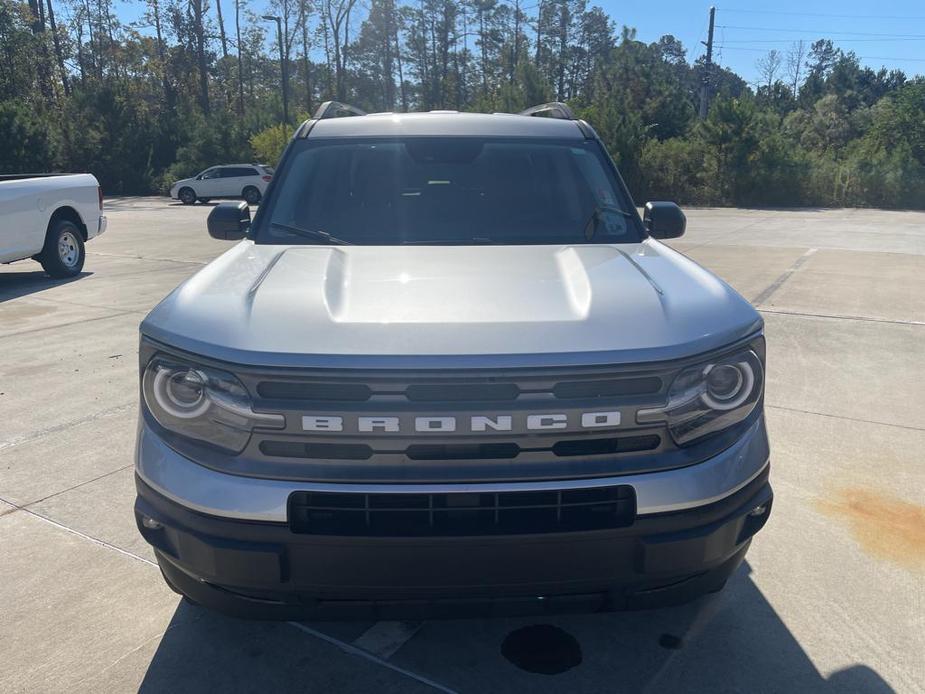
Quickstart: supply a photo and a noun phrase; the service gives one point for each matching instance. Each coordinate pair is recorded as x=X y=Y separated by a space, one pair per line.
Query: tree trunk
x=563 y=46
x=59 y=53
x=199 y=36
x=401 y=72
x=161 y=54
x=221 y=28
x=306 y=63
x=237 y=29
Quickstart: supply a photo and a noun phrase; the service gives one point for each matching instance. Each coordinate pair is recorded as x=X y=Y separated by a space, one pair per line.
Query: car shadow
x=733 y=642
x=23 y=283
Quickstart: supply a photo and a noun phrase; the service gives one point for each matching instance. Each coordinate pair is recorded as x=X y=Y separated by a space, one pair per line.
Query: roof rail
x=334 y=109
x=554 y=109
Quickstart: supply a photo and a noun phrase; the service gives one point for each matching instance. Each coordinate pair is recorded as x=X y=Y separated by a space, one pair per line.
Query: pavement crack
x=89 y=538
x=847 y=419
x=144 y=257
x=42 y=433
x=64 y=325
x=835 y=316
x=78 y=485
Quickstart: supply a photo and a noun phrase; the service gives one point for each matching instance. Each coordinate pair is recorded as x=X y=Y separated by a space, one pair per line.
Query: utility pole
x=282 y=64
x=707 y=69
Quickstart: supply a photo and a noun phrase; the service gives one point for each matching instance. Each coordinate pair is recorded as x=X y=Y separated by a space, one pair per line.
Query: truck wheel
x=251 y=195
x=63 y=255
x=187 y=196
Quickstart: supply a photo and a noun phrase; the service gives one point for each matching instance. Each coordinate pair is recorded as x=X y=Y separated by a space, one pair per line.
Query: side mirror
x=229 y=221
x=664 y=220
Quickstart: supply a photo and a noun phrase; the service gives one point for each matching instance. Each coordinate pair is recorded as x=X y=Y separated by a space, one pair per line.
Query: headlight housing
x=202 y=403
x=710 y=397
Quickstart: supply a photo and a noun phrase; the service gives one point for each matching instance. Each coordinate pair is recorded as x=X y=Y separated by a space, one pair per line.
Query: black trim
x=264 y=570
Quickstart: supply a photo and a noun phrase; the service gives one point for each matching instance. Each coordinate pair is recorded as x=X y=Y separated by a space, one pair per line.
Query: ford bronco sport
x=449 y=367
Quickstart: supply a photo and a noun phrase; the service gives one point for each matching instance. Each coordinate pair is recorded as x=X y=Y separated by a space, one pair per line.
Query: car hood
x=459 y=305
x=182 y=181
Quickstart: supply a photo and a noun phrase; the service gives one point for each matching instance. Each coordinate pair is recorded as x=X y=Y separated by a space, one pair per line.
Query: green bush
x=268 y=144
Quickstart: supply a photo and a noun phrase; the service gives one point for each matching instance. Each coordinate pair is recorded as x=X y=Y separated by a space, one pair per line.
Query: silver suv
x=448 y=367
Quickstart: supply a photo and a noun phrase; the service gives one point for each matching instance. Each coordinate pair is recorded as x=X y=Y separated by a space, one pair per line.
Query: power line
x=860 y=57
x=794 y=40
x=824 y=32
x=820 y=14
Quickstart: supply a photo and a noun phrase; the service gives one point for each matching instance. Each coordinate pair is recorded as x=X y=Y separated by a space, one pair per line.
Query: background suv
x=248 y=181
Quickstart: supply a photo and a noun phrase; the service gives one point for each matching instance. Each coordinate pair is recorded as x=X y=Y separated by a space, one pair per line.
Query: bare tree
x=337 y=18
x=768 y=66
x=795 y=58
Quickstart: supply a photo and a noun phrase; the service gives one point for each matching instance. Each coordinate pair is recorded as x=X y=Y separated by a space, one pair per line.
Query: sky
x=888 y=33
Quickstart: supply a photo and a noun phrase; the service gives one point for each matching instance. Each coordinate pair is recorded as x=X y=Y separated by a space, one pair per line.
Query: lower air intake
x=461 y=514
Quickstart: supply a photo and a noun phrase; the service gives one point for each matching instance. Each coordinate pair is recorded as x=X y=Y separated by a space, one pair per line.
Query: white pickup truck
x=49 y=218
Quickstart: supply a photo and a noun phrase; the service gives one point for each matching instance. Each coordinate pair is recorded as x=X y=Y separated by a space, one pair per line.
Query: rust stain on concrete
x=884 y=526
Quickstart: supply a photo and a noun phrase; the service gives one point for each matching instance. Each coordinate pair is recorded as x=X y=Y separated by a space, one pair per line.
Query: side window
x=211 y=173
x=238 y=172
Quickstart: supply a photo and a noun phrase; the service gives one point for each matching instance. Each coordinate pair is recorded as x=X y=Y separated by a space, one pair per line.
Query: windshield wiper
x=311 y=233
x=474 y=241
x=595 y=219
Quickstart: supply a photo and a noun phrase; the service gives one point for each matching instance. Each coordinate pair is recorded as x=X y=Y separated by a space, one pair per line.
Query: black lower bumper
x=264 y=570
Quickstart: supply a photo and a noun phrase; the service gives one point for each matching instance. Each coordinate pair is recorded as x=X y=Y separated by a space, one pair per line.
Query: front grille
x=478 y=446
x=445 y=389
x=461 y=514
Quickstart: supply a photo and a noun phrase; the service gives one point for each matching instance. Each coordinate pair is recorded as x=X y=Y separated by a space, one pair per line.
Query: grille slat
x=461 y=514
x=476 y=389
x=461 y=451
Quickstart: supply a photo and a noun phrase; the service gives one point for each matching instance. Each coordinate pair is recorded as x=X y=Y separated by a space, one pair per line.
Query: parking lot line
x=384 y=639
x=354 y=650
x=382 y=642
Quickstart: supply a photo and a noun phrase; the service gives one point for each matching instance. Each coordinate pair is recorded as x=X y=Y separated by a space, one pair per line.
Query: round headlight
x=181 y=394
x=728 y=385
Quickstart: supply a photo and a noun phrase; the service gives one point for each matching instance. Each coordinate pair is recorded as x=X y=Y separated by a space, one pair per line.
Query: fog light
x=151 y=524
x=759 y=510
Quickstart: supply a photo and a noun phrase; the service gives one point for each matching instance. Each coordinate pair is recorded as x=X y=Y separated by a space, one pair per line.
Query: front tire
x=64 y=254
x=251 y=195
x=187 y=196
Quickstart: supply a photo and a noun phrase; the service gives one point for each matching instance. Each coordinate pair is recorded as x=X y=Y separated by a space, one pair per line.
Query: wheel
x=251 y=195
x=204 y=200
x=63 y=255
x=187 y=196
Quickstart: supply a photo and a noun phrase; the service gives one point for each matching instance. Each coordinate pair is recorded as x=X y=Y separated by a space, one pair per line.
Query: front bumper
x=258 y=569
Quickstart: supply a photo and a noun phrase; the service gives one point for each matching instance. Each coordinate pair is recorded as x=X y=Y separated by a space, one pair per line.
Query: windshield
x=447 y=191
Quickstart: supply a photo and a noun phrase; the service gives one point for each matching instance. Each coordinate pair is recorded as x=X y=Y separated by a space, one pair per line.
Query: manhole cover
x=542 y=648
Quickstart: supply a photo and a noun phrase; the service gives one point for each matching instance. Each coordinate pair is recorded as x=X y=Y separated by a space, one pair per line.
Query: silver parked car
x=247 y=181
x=448 y=367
